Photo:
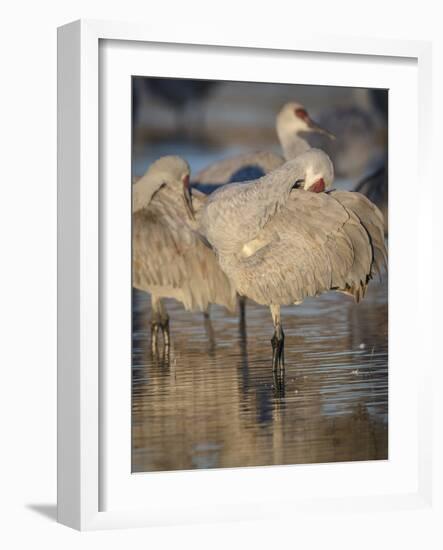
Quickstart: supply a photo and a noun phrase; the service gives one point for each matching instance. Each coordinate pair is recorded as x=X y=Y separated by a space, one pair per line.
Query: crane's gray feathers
x=221 y=172
x=235 y=213
x=311 y=246
x=228 y=213
x=372 y=220
x=170 y=260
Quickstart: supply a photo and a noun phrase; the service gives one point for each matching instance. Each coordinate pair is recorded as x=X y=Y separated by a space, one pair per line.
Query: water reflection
x=218 y=404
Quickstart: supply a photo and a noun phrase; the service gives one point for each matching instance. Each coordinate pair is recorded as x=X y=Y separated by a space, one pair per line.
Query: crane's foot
x=278 y=350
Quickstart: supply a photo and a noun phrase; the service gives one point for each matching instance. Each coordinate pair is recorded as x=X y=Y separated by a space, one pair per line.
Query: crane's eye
x=301 y=113
x=298 y=184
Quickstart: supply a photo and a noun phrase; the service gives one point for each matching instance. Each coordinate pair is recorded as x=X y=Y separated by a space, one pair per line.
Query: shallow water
x=216 y=405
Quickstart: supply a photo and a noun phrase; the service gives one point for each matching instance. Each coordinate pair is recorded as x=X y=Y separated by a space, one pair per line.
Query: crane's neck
x=292 y=143
x=198 y=202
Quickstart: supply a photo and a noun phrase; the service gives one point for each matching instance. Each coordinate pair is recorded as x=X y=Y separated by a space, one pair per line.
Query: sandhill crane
x=169 y=259
x=293 y=126
x=282 y=238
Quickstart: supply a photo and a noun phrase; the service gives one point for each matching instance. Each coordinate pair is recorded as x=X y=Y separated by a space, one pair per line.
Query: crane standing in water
x=284 y=237
x=169 y=259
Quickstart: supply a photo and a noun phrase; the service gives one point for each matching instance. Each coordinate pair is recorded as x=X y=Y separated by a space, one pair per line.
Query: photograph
x=221 y=270
x=259 y=274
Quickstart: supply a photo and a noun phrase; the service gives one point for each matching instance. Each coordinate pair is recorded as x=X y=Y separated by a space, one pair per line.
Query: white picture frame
x=80 y=395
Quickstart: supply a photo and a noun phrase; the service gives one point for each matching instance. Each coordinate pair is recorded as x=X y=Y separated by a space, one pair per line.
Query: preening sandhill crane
x=282 y=238
x=293 y=126
x=169 y=259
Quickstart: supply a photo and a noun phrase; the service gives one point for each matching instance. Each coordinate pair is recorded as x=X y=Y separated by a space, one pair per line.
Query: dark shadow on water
x=48 y=511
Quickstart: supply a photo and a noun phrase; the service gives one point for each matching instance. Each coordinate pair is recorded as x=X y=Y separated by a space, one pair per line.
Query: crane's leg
x=154 y=338
x=209 y=329
x=242 y=315
x=159 y=321
x=278 y=340
x=155 y=325
x=164 y=325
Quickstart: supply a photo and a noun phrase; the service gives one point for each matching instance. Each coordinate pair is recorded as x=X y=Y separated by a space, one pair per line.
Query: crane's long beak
x=187 y=197
x=314 y=127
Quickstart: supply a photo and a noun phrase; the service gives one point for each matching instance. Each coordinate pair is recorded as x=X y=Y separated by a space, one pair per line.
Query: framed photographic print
x=229 y=342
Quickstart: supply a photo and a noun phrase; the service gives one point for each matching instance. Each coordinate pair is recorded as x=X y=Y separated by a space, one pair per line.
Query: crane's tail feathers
x=372 y=220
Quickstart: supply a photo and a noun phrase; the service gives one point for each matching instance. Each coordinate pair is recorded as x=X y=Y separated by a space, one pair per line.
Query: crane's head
x=293 y=119
x=311 y=171
x=171 y=169
x=174 y=172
